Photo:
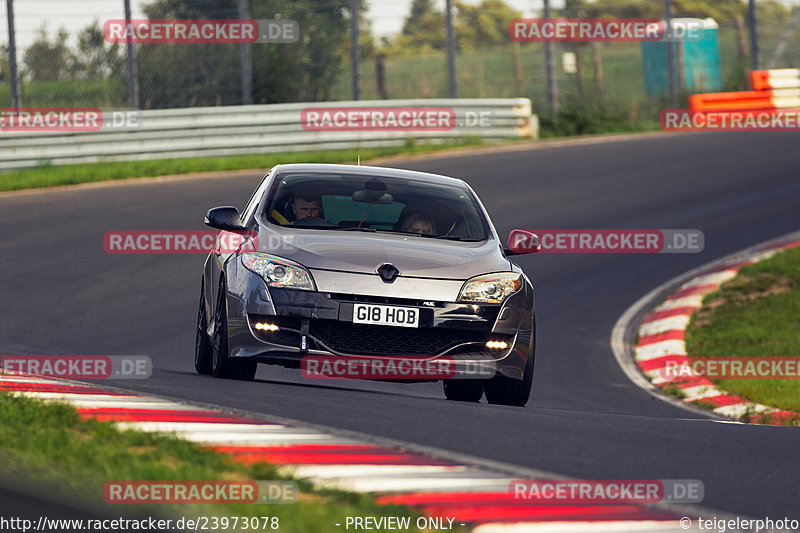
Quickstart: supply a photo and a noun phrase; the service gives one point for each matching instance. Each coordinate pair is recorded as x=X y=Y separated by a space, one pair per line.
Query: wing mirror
x=522 y=241
x=225 y=218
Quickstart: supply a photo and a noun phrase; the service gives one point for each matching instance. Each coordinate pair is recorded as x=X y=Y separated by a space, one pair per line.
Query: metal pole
x=12 y=56
x=245 y=59
x=753 y=35
x=451 y=50
x=133 y=82
x=673 y=98
x=355 y=50
x=550 y=68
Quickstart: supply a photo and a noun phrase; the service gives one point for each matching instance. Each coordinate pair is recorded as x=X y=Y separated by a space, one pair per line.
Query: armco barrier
x=772 y=89
x=217 y=131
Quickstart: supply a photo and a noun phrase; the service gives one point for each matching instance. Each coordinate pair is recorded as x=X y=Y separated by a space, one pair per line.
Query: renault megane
x=356 y=261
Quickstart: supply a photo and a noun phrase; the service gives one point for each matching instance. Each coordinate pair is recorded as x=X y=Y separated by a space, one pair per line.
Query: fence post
x=133 y=82
x=12 y=55
x=245 y=59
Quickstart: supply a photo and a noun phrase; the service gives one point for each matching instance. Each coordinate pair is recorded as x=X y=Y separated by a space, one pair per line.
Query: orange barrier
x=772 y=89
x=735 y=101
x=785 y=78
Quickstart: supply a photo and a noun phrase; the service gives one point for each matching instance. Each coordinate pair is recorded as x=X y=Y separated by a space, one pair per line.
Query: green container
x=699 y=50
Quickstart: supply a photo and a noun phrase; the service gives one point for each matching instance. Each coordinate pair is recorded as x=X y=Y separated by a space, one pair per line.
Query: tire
x=222 y=365
x=506 y=391
x=202 y=345
x=463 y=390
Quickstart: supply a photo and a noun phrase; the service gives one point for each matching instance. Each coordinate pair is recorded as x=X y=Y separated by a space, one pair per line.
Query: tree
x=304 y=70
x=424 y=29
x=46 y=60
x=4 y=69
x=482 y=25
x=179 y=75
x=93 y=59
x=475 y=26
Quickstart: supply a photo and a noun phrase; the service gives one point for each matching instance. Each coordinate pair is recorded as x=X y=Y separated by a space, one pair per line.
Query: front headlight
x=278 y=272
x=490 y=288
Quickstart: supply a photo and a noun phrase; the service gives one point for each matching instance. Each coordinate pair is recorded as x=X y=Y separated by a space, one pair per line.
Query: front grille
x=365 y=339
x=384 y=300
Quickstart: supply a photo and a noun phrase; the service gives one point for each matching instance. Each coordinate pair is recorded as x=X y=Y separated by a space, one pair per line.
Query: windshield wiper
x=354 y=228
x=455 y=238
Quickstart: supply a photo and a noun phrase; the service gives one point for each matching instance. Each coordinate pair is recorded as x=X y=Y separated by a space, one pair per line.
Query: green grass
x=102 y=93
x=50 y=446
x=50 y=175
x=676 y=391
x=757 y=314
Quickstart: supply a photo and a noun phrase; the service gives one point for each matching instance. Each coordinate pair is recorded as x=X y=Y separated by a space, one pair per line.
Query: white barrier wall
x=216 y=131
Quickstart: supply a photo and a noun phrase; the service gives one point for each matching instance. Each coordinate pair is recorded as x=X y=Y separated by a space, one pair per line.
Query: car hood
x=363 y=252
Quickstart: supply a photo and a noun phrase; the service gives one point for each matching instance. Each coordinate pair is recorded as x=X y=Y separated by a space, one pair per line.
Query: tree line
x=180 y=75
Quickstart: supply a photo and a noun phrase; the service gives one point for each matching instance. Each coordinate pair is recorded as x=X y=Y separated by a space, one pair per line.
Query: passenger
x=418 y=223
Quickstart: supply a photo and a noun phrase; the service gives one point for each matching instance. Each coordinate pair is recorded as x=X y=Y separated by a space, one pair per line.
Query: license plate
x=386 y=315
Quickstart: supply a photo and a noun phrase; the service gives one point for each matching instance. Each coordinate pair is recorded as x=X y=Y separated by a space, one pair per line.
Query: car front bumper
x=313 y=323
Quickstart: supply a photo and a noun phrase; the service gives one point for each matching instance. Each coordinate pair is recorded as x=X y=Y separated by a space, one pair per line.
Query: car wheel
x=222 y=365
x=506 y=391
x=202 y=345
x=463 y=390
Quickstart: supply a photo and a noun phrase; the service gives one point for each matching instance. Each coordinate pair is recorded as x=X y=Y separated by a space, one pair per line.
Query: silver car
x=342 y=262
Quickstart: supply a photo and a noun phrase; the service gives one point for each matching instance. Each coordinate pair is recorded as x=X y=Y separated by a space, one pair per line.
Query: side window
x=249 y=210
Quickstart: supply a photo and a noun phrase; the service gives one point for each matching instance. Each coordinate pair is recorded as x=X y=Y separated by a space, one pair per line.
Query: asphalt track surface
x=63 y=294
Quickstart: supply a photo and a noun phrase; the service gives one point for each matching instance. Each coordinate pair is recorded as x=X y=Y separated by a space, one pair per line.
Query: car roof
x=370 y=171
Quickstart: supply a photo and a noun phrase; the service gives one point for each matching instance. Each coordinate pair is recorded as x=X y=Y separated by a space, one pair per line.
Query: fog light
x=266 y=327
x=498 y=345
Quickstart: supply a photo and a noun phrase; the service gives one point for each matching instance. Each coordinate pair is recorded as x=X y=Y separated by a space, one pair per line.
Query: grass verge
x=50 y=445
x=756 y=314
x=48 y=175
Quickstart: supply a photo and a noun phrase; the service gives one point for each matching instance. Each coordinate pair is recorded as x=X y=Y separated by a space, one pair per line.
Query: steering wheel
x=312 y=222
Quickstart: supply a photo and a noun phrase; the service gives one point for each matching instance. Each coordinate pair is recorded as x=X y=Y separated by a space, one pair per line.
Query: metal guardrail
x=234 y=130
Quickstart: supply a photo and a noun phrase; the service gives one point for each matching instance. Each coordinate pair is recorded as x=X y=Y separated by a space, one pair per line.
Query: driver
x=307 y=206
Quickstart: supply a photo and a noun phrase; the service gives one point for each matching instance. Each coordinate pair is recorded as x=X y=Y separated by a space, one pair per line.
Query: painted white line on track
x=664 y=324
x=740 y=409
x=361 y=470
x=67 y=397
x=413 y=484
x=699 y=392
x=242 y=439
x=13 y=380
x=660 y=349
x=715 y=278
x=695 y=300
x=205 y=427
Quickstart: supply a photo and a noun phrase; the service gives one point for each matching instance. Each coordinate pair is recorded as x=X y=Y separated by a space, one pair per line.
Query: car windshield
x=376 y=204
